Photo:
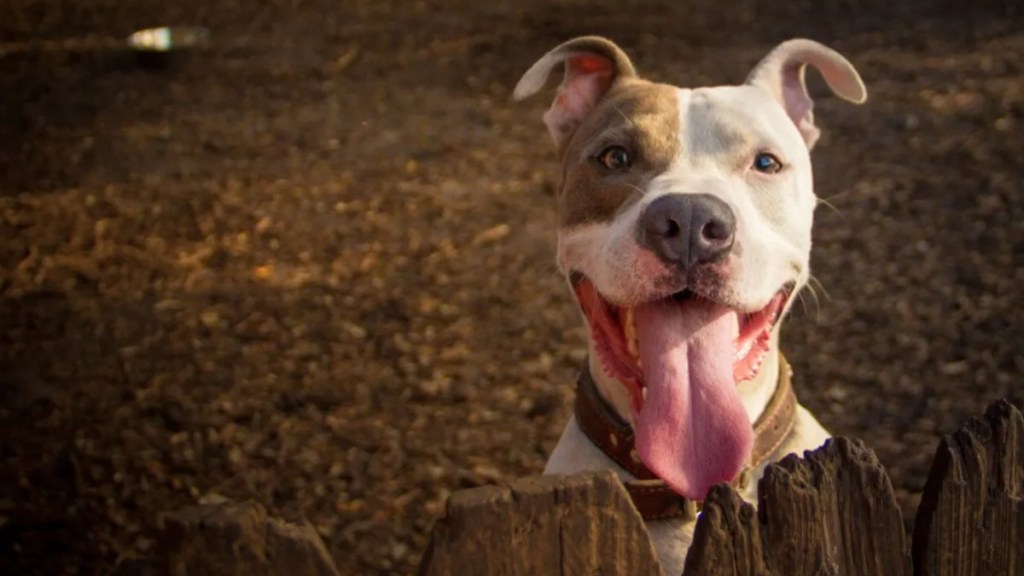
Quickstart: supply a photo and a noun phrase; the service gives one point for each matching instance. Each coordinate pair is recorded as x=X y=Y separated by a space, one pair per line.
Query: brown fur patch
x=639 y=115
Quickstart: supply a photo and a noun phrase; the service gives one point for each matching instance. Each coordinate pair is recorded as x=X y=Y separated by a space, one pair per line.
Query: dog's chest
x=671 y=539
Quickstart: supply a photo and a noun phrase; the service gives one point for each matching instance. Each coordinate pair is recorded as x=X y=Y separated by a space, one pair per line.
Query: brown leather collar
x=651 y=496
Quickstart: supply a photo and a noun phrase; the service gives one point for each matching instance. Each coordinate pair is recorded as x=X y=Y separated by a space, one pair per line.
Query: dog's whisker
x=639 y=194
x=638 y=189
x=827 y=203
x=837 y=195
x=814 y=294
x=629 y=121
x=803 y=302
x=817 y=304
x=821 y=287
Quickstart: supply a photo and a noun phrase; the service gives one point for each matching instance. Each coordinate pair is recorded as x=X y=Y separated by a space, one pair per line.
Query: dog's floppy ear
x=781 y=73
x=592 y=65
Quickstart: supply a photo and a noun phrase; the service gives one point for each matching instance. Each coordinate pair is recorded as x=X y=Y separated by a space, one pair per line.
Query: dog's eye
x=767 y=163
x=614 y=158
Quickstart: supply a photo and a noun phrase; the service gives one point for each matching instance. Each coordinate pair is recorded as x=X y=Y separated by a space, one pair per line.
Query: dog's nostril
x=716 y=230
x=672 y=228
x=663 y=227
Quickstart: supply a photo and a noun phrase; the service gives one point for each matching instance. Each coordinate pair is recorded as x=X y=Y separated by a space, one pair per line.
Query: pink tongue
x=692 y=430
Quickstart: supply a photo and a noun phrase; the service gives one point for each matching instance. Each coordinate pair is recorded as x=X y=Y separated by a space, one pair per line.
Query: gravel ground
x=312 y=266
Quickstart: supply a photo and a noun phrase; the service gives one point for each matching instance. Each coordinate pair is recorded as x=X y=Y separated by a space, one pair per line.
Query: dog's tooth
x=631 y=345
x=745 y=350
x=629 y=331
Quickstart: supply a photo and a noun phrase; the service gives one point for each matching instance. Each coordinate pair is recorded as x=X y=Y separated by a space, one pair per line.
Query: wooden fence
x=830 y=513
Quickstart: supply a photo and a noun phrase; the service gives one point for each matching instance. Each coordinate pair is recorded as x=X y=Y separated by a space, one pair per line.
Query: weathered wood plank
x=549 y=525
x=239 y=539
x=971 y=518
x=727 y=541
x=833 y=512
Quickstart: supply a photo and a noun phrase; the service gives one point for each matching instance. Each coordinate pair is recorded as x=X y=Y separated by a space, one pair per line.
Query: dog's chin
x=614 y=333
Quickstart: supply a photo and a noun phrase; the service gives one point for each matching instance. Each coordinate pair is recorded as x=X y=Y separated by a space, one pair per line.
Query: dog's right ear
x=592 y=65
x=781 y=73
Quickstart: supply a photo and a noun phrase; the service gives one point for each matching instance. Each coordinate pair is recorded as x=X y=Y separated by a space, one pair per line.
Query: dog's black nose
x=687 y=229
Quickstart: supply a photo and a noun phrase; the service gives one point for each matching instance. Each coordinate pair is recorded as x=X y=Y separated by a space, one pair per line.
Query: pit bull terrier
x=684 y=233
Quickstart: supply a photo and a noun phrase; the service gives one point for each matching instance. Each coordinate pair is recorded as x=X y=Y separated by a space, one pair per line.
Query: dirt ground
x=313 y=265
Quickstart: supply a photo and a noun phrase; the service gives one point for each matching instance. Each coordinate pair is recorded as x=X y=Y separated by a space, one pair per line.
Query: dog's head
x=685 y=230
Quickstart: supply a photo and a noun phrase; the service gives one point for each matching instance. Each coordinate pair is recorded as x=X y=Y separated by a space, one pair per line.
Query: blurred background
x=312 y=263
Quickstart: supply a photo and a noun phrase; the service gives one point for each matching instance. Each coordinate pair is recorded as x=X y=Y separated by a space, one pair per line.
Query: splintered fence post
x=239 y=538
x=833 y=512
x=971 y=517
x=727 y=540
x=550 y=525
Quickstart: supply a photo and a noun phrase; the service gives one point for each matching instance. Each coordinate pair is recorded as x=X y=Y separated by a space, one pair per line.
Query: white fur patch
x=723 y=129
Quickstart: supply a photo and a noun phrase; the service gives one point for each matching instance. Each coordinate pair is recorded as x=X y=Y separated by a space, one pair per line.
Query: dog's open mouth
x=681 y=357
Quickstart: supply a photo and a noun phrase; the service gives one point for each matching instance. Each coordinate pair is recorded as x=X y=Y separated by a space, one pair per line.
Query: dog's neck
x=755 y=393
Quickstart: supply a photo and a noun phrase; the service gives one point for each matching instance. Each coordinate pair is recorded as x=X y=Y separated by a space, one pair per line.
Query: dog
x=685 y=221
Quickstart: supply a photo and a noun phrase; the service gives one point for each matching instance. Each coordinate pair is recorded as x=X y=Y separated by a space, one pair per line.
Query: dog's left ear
x=592 y=65
x=781 y=73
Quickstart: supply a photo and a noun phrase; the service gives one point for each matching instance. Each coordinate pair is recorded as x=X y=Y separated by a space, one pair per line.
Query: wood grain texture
x=239 y=539
x=971 y=518
x=547 y=525
x=833 y=512
x=727 y=541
